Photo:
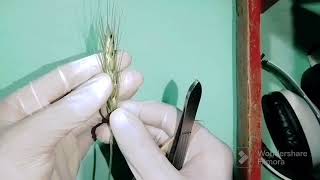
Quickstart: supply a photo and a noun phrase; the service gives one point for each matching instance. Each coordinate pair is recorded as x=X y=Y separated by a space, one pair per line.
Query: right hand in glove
x=141 y=127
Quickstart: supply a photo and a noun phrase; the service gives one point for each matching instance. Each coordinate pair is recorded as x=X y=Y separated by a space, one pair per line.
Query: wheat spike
x=110 y=65
x=109 y=41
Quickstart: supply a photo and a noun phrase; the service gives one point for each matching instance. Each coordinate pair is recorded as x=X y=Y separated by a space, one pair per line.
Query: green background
x=286 y=44
x=172 y=43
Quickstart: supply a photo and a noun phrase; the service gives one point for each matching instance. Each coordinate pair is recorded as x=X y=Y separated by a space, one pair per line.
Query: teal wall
x=170 y=40
x=281 y=46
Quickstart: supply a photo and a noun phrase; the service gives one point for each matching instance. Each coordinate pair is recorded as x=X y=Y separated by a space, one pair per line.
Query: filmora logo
x=242 y=158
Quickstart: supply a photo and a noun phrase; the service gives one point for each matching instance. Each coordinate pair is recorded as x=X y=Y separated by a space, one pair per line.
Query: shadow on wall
x=306 y=30
x=170 y=93
x=292 y=23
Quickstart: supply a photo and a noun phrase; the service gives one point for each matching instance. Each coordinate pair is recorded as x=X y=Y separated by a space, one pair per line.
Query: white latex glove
x=141 y=127
x=45 y=127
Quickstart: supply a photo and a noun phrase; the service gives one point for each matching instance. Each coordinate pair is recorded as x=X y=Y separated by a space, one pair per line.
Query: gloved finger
x=129 y=85
x=134 y=171
x=103 y=133
x=124 y=60
x=130 y=81
x=159 y=136
x=44 y=129
x=84 y=141
x=52 y=86
x=49 y=88
x=159 y=115
x=195 y=169
x=83 y=133
x=95 y=119
x=206 y=149
x=67 y=157
x=138 y=147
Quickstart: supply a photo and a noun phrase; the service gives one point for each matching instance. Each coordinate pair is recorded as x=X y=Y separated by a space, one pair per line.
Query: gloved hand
x=141 y=127
x=45 y=127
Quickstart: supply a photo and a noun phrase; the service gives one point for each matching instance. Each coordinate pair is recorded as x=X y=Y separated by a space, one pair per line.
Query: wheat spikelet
x=108 y=42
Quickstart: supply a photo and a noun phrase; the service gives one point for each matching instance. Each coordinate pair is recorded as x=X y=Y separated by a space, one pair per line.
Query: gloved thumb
x=43 y=130
x=139 y=149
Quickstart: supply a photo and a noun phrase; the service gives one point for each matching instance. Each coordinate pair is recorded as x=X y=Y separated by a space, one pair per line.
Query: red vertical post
x=249 y=131
x=255 y=88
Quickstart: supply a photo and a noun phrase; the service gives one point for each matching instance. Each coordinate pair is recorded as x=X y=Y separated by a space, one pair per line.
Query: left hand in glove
x=45 y=127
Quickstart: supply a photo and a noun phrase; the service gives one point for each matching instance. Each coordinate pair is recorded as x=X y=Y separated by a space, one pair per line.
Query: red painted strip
x=255 y=113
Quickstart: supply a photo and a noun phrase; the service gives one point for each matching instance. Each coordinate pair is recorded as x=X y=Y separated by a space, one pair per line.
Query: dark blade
x=181 y=140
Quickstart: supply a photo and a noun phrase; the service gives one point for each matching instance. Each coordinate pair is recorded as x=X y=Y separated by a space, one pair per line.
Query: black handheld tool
x=181 y=141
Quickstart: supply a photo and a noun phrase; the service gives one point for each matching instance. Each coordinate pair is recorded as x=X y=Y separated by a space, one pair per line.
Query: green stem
x=94 y=162
x=111 y=157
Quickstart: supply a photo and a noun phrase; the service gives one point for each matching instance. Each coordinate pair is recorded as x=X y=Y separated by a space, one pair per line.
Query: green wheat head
x=108 y=58
x=108 y=33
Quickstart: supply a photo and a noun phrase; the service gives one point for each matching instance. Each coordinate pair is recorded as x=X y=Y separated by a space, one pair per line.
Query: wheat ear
x=109 y=40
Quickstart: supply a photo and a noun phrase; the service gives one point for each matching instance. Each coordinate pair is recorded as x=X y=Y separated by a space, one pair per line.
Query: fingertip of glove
x=131 y=106
x=121 y=120
x=106 y=82
x=90 y=96
x=124 y=59
x=139 y=78
x=103 y=133
x=101 y=86
x=118 y=117
x=131 y=81
x=133 y=78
